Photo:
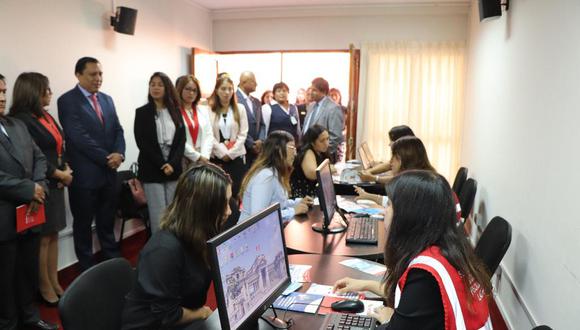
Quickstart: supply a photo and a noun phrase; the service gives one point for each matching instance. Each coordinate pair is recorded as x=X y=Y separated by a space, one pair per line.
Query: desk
x=326 y=269
x=301 y=238
x=341 y=188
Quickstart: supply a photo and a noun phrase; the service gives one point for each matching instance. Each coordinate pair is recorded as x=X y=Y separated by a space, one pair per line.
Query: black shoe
x=40 y=325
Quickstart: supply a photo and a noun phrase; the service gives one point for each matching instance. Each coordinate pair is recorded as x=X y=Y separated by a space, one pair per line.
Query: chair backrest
x=494 y=243
x=542 y=327
x=460 y=178
x=467 y=196
x=95 y=299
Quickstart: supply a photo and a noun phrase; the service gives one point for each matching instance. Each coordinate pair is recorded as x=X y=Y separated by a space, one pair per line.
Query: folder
x=26 y=220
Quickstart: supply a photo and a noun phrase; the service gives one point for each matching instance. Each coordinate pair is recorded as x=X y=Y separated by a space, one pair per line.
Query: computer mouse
x=350 y=305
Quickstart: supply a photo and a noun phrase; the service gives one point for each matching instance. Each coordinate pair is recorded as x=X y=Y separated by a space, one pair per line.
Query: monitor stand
x=335 y=226
x=276 y=322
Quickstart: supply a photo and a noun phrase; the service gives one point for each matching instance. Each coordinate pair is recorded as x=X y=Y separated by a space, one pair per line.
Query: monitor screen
x=326 y=196
x=250 y=267
x=366 y=155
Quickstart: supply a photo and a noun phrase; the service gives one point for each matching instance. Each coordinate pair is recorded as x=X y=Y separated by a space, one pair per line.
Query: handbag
x=136 y=187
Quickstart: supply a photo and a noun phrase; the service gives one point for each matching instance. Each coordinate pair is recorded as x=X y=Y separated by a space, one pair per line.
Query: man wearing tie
x=95 y=149
x=256 y=126
x=323 y=111
x=22 y=181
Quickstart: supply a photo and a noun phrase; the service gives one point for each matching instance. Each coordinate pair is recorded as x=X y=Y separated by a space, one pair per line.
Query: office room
x=515 y=128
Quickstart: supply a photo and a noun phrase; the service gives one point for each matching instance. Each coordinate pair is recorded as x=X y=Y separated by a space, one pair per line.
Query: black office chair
x=542 y=327
x=95 y=299
x=127 y=208
x=460 y=179
x=494 y=243
x=467 y=197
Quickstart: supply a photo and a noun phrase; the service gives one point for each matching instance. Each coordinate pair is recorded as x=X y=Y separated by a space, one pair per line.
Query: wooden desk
x=301 y=238
x=341 y=188
x=326 y=269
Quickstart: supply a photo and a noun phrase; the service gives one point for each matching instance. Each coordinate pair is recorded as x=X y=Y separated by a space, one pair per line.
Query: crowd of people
x=206 y=165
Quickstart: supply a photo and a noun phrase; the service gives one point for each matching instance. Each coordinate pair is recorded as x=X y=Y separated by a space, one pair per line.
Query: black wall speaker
x=489 y=8
x=124 y=20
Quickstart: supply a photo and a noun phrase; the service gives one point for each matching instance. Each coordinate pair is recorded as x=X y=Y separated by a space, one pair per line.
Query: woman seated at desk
x=408 y=153
x=435 y=279
x=268 y=180
x=372 y=174
x=313 y=152
x=173 y=273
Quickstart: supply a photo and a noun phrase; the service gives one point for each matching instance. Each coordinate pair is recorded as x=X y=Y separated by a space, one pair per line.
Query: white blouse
x=205 y=139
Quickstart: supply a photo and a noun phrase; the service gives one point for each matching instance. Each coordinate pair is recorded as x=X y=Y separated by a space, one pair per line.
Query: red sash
x=458 y=314
x=48 y=122
x=192 y=127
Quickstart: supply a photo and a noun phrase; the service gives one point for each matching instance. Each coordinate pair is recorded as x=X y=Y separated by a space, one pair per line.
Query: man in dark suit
x=95 y=149
x=256 y=126
x=323 y=111
x=22 y=181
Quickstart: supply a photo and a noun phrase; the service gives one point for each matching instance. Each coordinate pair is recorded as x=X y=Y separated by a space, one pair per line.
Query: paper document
x=326 y=290
x=365 y=266
x=300 y=273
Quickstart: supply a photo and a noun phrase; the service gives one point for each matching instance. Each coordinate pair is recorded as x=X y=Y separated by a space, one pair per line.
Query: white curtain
x=418 y=84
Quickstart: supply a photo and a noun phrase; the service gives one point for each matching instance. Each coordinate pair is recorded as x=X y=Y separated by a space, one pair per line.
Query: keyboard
x=339 y=321
x=362 y=230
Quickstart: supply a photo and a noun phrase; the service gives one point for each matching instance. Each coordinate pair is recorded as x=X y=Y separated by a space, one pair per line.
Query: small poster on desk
x=26 y=220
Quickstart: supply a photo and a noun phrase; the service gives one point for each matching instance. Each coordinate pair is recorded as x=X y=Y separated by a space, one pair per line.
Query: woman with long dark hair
x=434 y=279
x=173 y=273
x=312 y=152
x=160 y=136
x=31 y=98
x=268 y=180
x=199 y=134
x=372 y=174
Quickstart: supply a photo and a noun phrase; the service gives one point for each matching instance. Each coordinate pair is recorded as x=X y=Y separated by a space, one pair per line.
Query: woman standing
x=280 y=114
x=160 y=136
x=268 y=180
x=312 y=152
x=435 y=280
x=230 y=128
x=32 y=95
x=173 y=273
x=199 y=135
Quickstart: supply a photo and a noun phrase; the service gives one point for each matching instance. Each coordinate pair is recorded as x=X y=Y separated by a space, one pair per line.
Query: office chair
x=460 y=179
x=95 y=299
x=494 y=243
x=127 y=208
x=542 y=327
x=467 y=197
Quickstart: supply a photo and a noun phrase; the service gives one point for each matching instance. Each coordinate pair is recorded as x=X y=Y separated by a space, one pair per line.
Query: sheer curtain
x=418 y=84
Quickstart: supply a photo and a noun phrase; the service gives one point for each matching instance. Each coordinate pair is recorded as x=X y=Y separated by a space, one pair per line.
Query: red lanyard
x=193 y=127
x=48 y=122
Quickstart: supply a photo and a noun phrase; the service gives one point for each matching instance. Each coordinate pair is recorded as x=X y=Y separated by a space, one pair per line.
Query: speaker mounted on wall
x=491 y=8
x=124 y=20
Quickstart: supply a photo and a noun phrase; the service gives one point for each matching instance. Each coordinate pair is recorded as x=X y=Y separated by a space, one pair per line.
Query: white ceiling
x=235 y=4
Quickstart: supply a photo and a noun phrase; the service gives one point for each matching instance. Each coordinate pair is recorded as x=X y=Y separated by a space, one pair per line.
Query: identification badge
x=293 y=120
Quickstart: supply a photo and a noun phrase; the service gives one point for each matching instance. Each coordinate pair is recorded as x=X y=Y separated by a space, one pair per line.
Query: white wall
x=324 y=28
x=520 y=142
x=49 y=36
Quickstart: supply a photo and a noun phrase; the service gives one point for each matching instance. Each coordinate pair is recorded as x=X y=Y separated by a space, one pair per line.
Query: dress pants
x=100 y=204
x=159 y=196
x=19 y=280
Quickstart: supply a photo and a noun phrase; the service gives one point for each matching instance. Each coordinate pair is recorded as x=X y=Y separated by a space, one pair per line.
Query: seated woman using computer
x=373 y=173
x=268 y=180
x=313 y=151
x=435 y=279
x=173 y=273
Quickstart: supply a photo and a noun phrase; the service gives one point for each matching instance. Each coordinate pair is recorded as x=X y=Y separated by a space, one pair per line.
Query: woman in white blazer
x=230 y=128
x=199 y=134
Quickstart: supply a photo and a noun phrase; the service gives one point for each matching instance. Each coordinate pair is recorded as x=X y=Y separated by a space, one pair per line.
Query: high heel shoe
x=48 y=303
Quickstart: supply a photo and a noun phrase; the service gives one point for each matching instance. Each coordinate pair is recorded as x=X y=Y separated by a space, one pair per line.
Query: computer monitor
x=366 y=156
x=327 y=199
x=250 y=268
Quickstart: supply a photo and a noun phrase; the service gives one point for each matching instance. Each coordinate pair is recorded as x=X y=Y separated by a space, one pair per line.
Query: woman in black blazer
x=160 y=136
x=31 y=95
